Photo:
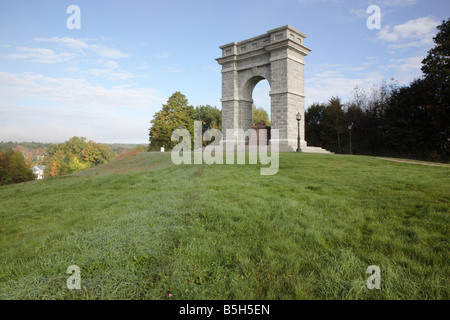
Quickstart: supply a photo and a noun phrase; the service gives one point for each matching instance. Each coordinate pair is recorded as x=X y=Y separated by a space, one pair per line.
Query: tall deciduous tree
x=259 y=114
x=176 y=112
x=211 y=117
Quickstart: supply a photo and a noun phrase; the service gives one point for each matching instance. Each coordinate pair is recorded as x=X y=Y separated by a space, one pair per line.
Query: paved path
x=415 y=162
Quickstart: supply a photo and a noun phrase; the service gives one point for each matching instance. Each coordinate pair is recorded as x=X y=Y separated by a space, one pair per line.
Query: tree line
x=68 y=157
x=410 y=121
x=177 y=113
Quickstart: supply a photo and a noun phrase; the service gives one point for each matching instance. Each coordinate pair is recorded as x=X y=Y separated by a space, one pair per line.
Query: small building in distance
x=38 y=172
x=265 y=136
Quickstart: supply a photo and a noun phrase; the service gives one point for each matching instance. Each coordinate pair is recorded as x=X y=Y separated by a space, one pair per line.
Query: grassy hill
x=141 y=228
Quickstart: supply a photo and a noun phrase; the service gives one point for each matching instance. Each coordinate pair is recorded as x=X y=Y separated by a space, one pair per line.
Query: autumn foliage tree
x=13 y=168
x=75 y=155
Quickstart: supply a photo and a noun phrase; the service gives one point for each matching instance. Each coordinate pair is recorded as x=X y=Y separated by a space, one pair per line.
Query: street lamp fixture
x=298 y=117
x=350 y=127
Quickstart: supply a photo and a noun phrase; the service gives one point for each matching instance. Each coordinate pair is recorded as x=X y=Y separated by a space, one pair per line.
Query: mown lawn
x=141 y=228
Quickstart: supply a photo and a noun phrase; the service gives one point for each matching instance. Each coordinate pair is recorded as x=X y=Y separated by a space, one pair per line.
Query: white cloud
x=413 y=33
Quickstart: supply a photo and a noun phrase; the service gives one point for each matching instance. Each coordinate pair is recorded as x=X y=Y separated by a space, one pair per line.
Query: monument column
x=230 y=90
x=287 y=93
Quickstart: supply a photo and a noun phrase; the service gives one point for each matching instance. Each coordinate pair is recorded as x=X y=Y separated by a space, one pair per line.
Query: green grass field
x=141 y=228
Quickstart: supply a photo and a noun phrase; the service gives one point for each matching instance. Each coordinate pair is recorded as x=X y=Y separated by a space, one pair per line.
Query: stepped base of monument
x=282 y=147
x=306 y=149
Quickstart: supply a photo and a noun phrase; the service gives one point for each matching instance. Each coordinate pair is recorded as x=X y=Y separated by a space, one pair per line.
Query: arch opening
x=257 y=109
x=261 y=102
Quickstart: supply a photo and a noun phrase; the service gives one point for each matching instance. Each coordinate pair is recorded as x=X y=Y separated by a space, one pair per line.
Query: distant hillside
x=124 y=147
x=34 y=151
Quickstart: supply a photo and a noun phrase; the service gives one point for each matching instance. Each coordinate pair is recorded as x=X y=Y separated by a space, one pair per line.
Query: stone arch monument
x=277 y=56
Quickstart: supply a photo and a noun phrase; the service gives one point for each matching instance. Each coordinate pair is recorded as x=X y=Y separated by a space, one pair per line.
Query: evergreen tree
x=436 y=82
x=314 y=129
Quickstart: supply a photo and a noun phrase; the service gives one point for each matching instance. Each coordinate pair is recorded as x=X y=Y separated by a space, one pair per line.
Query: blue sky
x=106 y=80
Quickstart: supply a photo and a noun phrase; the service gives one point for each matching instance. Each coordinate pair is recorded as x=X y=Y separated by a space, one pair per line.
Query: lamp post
x=298 y=117
x=350 y=126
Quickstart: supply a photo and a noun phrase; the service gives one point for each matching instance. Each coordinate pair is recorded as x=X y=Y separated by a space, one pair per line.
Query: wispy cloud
x=397 y=3
x=87 y=57
x=19 y=123
x=406 y=69
x=171 y=69
x=111 y=71
x=212 y=68
x=40 y=55
x=162 y=55
x=74 y=91
x=83 y=47
x=323 y=81
x=386 y=7
x=52 y=109
x=106 y=52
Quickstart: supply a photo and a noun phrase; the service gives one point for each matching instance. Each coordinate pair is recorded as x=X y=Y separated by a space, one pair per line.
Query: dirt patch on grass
x=127 y=154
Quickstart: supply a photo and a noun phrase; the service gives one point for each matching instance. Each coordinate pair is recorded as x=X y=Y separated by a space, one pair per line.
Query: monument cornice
x=287 y=44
